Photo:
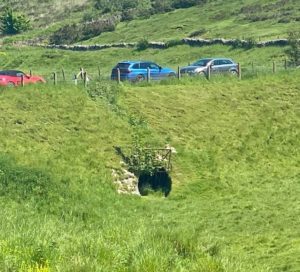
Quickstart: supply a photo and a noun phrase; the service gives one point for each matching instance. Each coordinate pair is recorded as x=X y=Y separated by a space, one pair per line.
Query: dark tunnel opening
x=160 y=181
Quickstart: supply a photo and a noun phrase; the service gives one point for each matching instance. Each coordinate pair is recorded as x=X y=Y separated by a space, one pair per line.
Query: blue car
x=136 y=71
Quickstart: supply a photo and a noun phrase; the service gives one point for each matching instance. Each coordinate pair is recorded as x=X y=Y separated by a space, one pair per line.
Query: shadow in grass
x=160 y=181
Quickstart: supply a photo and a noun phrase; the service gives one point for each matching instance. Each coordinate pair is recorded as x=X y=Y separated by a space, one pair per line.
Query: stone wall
x=163 y=45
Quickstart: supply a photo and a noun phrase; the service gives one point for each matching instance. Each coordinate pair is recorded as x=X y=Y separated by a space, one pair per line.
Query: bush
x=12 y=23
x=294 y=47
x=78 y=32
x=65 y=35
x=142 y=45
x=186 y=3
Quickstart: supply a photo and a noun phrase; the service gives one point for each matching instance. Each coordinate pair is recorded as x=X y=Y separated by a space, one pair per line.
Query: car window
x=201 y=62
x=217 y=62
x=226 y=61
x=136 y=66
x=122 y=65
x=153 y=66
x=144 y=65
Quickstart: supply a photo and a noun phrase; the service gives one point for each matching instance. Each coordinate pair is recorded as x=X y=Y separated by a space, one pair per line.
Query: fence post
x=285 y=64
x=274 y=67
x=54 y=78
x=239 y=71
x=178 y=73
x=63 y=74
x=75 y=79
x=81 y=72
x=148 y=74
x=208 y=73
x=85 y=81
x=119 y=75
x=22 y=80
x=99 y=72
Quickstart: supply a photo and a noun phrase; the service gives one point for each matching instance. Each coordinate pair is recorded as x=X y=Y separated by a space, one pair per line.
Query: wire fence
x=86 y=78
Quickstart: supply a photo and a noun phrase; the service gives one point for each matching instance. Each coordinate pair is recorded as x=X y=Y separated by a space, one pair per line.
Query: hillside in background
x=211 y=19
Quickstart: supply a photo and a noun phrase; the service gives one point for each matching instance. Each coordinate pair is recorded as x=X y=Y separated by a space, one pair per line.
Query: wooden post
x=63 y=74
x=285 y=64
x=75 y=79
x=119 y=75
x=239 y=71
x=85 y=79
x=178 y=73
x=148 y=74
x=99 y=72
x=208 y=73
x=22 y=80
x=274 y=67
x=30 y=72
x=54 y=78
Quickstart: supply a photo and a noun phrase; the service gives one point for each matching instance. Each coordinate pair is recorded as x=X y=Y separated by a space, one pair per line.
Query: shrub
x=142 y=45
x=294 y=47
x=13 y=23
x=65 y=35
x=186 y=3
x=77 y=32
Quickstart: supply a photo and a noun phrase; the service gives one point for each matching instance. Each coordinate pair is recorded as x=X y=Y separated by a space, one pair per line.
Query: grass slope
x=234 y=204
x=230 y=19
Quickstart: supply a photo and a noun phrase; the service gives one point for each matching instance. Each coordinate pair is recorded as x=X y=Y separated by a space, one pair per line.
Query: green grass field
x=234 y=202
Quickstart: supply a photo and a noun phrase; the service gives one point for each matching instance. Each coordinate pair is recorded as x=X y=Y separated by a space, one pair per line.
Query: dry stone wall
x=163 y=45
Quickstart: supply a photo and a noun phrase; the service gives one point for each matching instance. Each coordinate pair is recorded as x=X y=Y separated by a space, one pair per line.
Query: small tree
x=294 y=47
x=12 y=23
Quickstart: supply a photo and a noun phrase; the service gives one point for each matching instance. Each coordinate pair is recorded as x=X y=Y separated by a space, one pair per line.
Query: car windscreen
x=122 y=65
x=202 y=62
x=11 y=73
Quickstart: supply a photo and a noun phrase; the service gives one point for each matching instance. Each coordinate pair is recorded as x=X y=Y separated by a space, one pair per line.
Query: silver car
x=217 y=65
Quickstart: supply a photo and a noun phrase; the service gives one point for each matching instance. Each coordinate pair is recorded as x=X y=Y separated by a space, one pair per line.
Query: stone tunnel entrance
x=160 y=181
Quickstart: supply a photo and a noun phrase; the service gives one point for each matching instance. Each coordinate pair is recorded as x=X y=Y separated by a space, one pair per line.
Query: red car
x=14 y=78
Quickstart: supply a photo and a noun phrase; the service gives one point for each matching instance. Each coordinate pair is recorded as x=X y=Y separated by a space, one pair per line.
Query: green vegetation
x=249 y=19
x=11 y=23
x=294 y=47
x=234 y=201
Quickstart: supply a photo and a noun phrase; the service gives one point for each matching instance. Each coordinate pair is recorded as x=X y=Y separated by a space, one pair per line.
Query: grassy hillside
x=234 y=201
x=230 y=19
x=225 y=19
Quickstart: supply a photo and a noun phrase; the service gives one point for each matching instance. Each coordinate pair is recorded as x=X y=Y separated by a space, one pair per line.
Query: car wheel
x=139 y=78
x=233 y=72
x=171 y=75
x=201 y=73
x=10 y=84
